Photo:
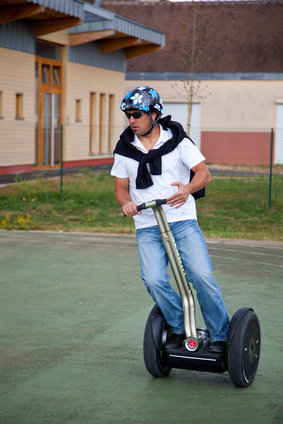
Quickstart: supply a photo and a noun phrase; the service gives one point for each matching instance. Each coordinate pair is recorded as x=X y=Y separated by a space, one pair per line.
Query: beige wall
x=235 y=118
x=17 y=142
x=241 y=104
x=17 y=75
x=82 y=80
x=227 y=104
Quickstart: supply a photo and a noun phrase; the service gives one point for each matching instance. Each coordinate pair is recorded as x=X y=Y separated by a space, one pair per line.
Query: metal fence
x=238 y=153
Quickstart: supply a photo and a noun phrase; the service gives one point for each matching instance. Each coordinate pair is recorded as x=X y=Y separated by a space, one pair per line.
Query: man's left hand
x=179 y=199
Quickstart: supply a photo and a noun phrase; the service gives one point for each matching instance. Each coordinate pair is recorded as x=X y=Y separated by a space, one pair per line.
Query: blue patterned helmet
x=143 y=98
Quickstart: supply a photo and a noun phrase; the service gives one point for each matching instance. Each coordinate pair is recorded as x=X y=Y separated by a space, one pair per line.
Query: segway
x=241 y=356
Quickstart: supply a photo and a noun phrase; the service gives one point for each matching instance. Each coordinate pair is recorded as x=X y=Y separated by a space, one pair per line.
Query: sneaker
x=217 y=347
x=175 y=341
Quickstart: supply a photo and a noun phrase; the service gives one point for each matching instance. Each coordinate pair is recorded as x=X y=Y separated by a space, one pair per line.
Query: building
x=62 y=77
x=238 y=76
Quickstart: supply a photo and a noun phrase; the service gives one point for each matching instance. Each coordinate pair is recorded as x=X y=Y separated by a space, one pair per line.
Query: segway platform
x=201 y=360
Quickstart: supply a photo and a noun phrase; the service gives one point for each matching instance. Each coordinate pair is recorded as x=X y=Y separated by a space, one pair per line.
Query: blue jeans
x=196 y=260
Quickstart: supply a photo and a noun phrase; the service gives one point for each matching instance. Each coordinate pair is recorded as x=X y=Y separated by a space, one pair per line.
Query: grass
x=235 y=207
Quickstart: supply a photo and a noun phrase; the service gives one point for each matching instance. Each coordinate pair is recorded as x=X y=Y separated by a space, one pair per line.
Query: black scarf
x=126 y=148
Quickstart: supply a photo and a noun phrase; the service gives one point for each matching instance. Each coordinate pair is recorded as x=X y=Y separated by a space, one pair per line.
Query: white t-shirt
x=176 y=167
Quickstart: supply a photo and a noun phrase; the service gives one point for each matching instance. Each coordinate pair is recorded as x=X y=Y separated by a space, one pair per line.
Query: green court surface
x=73 y=311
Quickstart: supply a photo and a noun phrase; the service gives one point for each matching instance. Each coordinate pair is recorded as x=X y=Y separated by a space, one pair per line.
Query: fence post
x=270 y=168
x=61 y=166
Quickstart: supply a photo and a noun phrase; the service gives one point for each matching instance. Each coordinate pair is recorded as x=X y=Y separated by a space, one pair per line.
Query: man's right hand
x=130 y=209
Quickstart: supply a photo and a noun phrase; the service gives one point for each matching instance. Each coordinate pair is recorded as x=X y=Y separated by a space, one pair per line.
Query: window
x=19 y=106
x=110 y=122
x=102 y=107
x=78 y=110
x=102 y=123
x=1 y=105
x=56 y=80
x=45 y=74
x=93 y=109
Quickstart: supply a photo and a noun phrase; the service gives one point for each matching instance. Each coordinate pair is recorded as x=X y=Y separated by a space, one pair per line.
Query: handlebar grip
x=160 y=202
x=151 y=204
x=141 y=207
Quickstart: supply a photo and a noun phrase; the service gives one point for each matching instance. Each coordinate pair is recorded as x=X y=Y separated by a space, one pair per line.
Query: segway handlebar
x=151 y=204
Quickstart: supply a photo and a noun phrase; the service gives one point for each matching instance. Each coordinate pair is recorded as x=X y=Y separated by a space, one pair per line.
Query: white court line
x=246 y=251
x=70 y=243
x=87 y=241
x=246 y=260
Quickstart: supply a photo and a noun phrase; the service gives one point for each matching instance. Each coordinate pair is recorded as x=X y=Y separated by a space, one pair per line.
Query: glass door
x=56 y=129
x=51 y=131
x=46 y=128
x=48 y=114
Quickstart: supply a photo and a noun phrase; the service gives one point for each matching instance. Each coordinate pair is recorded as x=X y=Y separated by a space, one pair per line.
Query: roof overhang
x=115 y=33
x=48 y=15
x=85 y=23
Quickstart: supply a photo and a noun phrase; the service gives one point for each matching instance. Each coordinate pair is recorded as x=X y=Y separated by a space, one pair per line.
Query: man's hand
x=201 y=178
x=130 y=209
x=179 y=199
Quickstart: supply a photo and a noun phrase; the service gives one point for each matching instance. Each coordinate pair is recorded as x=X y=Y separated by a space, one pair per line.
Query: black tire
x=153 y=358
x=244 y=350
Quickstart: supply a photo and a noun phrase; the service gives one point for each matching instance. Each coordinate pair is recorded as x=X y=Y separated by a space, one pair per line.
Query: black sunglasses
x=135 y=115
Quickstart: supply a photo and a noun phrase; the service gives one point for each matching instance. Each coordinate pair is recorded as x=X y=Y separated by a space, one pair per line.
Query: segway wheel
x=244 y=350
x=153 y=358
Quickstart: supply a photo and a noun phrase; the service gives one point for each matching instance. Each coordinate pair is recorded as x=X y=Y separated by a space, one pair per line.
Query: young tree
x=193 y=57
